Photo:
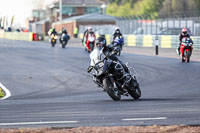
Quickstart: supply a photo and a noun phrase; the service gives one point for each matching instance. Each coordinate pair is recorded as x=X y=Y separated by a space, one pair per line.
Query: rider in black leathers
x=54 y=32
x=64 y=31
x=107 y=50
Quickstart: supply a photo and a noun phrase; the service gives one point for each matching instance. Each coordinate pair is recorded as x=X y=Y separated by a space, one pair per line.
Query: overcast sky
x=21 y=9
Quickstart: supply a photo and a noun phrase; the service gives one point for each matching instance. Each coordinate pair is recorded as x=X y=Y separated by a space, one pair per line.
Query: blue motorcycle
x=118 y=43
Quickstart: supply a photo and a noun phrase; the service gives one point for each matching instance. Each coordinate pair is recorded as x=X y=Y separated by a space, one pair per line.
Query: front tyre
x=134 y=91
x=112 y=92
x=91 y=45
x=53 y=44
x=183 y=59
x=63 y=45
x=187 y=56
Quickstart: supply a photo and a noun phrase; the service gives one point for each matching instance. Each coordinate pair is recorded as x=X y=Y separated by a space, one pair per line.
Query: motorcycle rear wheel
x=111 y=91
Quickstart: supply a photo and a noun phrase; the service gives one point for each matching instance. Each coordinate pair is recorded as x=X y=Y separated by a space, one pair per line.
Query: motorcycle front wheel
x=187 y=56
x=53 y=44
x=63 y=45
x=134 y=91
x=91 y=45
x=111 y=91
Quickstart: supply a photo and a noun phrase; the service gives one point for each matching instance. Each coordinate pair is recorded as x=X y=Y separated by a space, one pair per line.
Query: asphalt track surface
x=51 y=88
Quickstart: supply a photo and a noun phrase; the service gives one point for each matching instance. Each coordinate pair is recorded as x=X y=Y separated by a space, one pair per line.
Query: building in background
x=80 y=11
x=72 y=8
x=101 y=23
x=38 y=15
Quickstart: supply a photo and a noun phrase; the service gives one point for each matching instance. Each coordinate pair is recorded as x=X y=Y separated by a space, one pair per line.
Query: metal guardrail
x=26 y=36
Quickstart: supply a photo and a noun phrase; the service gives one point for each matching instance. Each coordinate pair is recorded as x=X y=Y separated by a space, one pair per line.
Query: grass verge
x=1 y=93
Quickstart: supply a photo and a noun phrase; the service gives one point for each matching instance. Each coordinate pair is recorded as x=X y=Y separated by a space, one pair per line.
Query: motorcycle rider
x=184 y=33
x=100 y=44
x=106 y=50
x=54 y=32
x=64 y=31
x=88 y=34
x=89 y=31
x=117 y=33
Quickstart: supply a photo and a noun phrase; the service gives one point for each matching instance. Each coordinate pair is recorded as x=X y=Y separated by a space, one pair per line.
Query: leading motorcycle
x=186 y=49
x=112 y=75
x=53 y=40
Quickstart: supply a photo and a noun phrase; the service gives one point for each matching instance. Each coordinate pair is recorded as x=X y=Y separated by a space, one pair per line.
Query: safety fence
x=26 y=36
x=163 y=41
x=18 y=36
x=161 y=26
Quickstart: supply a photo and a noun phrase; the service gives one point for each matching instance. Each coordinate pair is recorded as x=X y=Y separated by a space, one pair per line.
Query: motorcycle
x=118 y=42
x=113 y=76
x=53 y=40
x=186 y=49
x=90 y=43
x=64 y=38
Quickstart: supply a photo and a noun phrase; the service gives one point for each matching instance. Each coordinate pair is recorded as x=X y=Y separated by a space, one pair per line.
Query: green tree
x=148 y=8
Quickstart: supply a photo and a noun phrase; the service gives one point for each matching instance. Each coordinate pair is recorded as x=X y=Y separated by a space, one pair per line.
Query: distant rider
x=50 y=32
x=184 y=33
x=118 y=38
x=84 y=34
x=117 y=33
x=54 y=32
x=90 y=32
x=64 y=31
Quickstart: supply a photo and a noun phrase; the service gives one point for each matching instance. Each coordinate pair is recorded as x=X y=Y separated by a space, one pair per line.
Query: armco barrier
x=19 y=36
x=2 y=33
x=26 y=36
x=165 y=41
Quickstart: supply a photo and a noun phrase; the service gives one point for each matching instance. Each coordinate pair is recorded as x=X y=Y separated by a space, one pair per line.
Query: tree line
x=153 y=8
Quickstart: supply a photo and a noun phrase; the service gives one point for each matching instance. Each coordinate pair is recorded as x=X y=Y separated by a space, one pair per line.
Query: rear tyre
x=111 y=91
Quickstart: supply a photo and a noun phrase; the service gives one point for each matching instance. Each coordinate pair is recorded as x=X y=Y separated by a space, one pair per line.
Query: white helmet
x=116 y=28
x=89 y=28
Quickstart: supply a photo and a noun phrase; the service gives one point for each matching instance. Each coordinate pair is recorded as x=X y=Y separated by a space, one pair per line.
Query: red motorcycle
x=90 y=42
x=186 y=49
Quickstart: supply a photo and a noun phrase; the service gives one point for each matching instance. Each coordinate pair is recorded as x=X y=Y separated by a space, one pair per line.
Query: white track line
x=140 y=119
x=38 y=123
x=7 y=92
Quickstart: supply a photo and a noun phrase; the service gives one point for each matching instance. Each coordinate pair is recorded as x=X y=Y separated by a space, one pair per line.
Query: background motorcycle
x=64 y=38
x=53 y=40
x=118 y=42
x=90 y=42
x=113 y=76
x=186 y=49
